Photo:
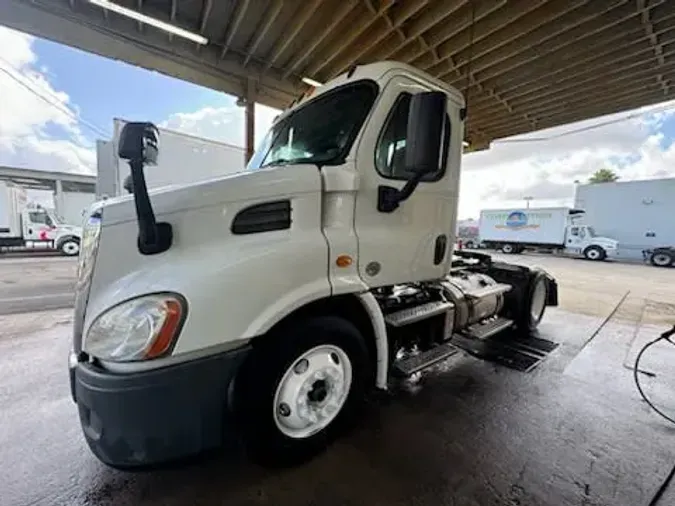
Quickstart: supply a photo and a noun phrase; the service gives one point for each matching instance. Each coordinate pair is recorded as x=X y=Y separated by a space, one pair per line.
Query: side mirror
x=424 y=146
x=139 y=145
x=139 y=142
x=424 y=137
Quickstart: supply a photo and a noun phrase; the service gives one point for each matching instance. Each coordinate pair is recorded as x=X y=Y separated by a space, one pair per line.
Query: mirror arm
x=153 y=237
x=389 y=198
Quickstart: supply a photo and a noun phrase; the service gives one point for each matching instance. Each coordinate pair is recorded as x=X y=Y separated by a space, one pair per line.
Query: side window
x=574 y=231
x=390 y=150
x=38 y=217
x=582 y=232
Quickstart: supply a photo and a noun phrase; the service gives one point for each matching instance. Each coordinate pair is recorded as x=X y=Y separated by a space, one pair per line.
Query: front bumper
x=151 y=417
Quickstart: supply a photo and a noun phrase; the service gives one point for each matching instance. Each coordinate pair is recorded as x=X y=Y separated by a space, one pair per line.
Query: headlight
x=138 y=329
x=91 y=235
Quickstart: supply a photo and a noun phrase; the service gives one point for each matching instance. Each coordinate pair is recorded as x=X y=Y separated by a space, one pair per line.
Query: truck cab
x=581 y=240
x=31 y=225
x=267 y=303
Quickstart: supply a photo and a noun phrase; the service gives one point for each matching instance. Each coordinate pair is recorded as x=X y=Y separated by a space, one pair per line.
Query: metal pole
x=250 y=120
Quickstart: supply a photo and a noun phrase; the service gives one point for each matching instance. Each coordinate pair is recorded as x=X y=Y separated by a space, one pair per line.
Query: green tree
x=603 y=176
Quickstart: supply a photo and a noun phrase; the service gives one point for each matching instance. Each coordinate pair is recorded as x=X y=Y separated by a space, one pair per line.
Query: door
x=414 y=242
x=36 y=225
x=573 y=242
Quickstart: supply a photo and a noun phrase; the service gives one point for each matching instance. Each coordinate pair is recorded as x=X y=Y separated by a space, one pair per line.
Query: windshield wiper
x=286 y=161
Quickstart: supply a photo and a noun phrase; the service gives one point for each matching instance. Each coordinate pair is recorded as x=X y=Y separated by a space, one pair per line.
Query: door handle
x=439 y=250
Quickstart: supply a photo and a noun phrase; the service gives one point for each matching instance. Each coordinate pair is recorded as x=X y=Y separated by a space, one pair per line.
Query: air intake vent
x=263 y=218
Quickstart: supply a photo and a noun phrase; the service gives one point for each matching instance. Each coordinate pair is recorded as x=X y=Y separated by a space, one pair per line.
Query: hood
x=606 y=241
x=261 y=184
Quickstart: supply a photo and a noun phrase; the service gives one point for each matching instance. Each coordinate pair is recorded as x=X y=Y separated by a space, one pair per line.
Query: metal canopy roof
x=528 y=64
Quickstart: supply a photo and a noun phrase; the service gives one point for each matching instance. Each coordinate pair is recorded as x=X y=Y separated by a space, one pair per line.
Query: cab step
x=415 y=363
x=488 y=329
x=417 y=313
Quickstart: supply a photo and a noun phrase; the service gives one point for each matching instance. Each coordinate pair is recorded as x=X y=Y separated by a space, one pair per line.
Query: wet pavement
x=573 y=432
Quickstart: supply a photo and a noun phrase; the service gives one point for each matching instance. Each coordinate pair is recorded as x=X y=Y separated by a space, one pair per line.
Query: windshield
x=320 y=132
x=591 y=232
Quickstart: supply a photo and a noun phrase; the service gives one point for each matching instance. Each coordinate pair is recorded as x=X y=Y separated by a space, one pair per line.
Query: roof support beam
x=172 y=15
x=570 y=28
x=649 y=86
x=270 y=16
x=430 y=17
x=455 y=24
x=240 y=11
x=206 y=12
x=599 y=61
x=307 y=9
x=498 y=28
x=620 y=72
x=344 y=42
x=337 y=18
x=600 y=109
x=393 y=20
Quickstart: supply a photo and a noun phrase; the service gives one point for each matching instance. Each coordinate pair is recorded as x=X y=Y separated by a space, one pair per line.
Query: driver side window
x=390 y=150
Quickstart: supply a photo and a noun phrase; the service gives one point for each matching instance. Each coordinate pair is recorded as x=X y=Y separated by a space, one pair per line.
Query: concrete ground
x=572 y=432
x=36 y=283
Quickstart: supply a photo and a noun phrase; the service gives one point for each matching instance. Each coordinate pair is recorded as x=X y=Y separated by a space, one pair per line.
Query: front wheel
x=301 y=387
x=595 y=253
x=662 y=259
x=70 y=247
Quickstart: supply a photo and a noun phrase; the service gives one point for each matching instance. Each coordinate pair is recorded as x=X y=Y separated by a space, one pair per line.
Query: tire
x=534 y=303
x=508 y=249
x=276 y=432
x=595 y=253
x=70 y=247
x=662 y=259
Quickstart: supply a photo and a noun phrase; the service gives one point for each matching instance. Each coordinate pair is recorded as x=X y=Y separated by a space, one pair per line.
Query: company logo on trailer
x=516 y=220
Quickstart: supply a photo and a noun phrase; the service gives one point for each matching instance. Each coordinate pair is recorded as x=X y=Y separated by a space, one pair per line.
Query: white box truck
x=24 y=226
x=331 y=272
x=552 y=229
x=185 y=159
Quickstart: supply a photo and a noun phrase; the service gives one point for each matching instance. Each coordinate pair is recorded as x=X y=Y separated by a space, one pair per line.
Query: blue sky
x=636 y=144
x=103 y=89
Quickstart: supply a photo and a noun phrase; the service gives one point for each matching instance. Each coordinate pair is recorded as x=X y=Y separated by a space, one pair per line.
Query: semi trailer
x=551 y=229
x=185 y=159
x=331 y=274
x=25 y=226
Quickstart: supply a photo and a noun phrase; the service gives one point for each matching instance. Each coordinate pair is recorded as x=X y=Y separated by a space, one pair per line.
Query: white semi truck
x=331 y=272
x=552 y=229
x=24 y=226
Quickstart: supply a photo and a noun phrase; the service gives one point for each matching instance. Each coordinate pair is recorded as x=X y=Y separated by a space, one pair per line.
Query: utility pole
x=527 y=200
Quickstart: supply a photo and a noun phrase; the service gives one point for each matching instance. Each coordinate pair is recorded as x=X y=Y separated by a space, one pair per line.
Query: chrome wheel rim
x=661 y=259
x=312 y=391
x=593 y=254
x=71 y=248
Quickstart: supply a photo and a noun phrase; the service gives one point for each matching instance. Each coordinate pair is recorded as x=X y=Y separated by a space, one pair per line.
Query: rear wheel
x=662 y=259
x=595 y=253
x=301 y=388
x=508 y=249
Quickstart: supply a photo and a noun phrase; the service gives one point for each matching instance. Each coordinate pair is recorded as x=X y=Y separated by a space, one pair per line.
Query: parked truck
x=24 y=226
x=551 y=229
x=185 y=159
x=331 y=272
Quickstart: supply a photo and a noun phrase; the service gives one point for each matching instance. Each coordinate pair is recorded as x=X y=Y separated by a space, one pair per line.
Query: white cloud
x=26 y=119
x=630 y=143
x=224 y=124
